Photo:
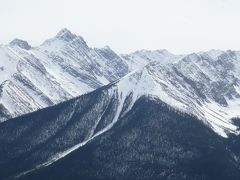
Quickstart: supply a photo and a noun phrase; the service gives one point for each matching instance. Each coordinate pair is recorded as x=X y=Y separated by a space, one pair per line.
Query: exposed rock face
x=20 y=43
x=61 y=68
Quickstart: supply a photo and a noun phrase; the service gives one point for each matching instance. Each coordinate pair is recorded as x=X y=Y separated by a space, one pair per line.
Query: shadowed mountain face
x=102 y=136
x=35 y=138
x=151 y=142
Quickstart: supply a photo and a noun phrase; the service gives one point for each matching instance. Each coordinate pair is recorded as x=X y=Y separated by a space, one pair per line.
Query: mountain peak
x=65 y=34
x=214 y=53
x=20 y=43
x=192 y=57
x=164 y=51
x=67 y=37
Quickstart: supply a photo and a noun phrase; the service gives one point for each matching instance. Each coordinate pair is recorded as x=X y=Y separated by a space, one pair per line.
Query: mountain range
x=61 y=68
x=69 y=111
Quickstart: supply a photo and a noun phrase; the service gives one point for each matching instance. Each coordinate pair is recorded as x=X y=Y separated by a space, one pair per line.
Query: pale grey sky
x=181 y=26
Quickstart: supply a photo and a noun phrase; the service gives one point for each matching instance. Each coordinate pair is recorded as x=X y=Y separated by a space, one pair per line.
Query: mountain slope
x=61 y=68
x=141 y=58
x=152 y=141
x=189 y=86
x=206 y=85
x=58 y=130
x=114 y=133
x=49 y=135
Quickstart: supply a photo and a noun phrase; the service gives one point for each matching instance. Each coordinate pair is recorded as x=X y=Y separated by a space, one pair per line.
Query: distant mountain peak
x=20 y=43
x=192 y=57
x=68 y=36
x=65 y=34
x=213 y=53
x=106 y=47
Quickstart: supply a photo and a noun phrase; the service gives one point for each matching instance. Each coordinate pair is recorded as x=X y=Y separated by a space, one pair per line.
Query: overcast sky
x=181 y=26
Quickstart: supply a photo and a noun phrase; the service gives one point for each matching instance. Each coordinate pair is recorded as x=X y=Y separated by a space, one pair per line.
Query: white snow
x=214 y=53
x=220 y=117
x=149 y=82
x=139 y=59
x=59 y=69
x=7 y=64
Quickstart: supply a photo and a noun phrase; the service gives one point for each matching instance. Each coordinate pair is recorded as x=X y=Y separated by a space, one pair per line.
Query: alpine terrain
x=74 y=112
x=61 y=68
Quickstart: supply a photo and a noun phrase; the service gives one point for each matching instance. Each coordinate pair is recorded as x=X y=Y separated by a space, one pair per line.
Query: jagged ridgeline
x=63 y=67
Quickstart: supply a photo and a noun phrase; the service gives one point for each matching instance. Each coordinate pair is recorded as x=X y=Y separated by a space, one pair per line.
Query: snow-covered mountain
x=205 y=84
x=130 y=129
x=149 y=115
x=141 y=58
x=61 y=68
x=199 y=84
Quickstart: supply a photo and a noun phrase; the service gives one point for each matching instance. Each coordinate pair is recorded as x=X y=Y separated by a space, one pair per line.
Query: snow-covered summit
x=65 y=37
x=65 y=33
x=20 y=43
x=213 y=53
x=139 y=59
